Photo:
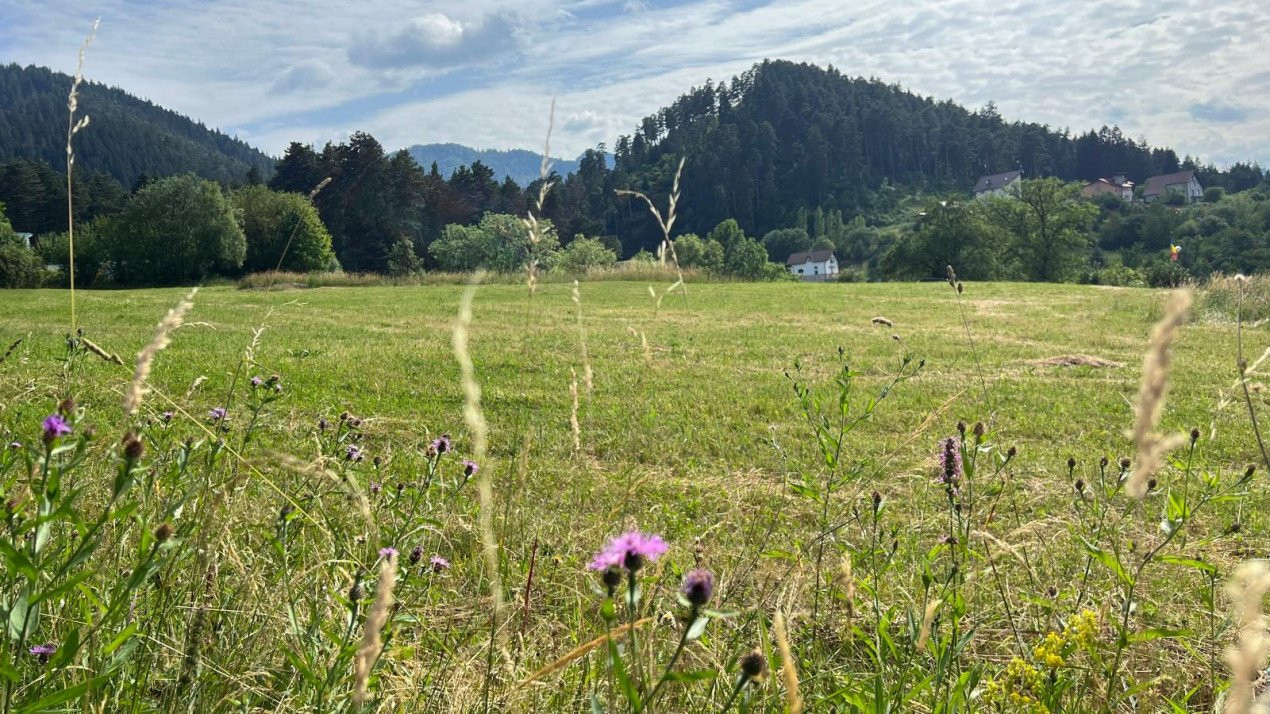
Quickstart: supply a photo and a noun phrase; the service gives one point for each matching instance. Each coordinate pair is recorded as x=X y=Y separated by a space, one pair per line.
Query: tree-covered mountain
x=522 y=165
x=128 y=137
x=785 y=137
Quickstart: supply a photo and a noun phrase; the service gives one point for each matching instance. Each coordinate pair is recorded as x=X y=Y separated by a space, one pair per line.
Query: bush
x=1165 y=274
x=500 y=242
x=281 y=229
x=175 y=231
x=1213 y=194
x=853 y=274
x=1118 y=276
x=403 y=261
x=584 y=255
x=19 y=266
x=747 y=258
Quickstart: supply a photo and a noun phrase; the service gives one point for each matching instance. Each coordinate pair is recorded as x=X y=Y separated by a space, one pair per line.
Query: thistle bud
x=164 y=533
x=980 y=429
x=133 y=448
x=612 y=577
x=1011 y=452
x=1194 y=435
x=754 y=666
x=1071 y=462
x=1124 y=463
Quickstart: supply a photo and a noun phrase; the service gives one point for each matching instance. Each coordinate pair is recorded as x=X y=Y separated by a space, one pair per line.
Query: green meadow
x=691 y=429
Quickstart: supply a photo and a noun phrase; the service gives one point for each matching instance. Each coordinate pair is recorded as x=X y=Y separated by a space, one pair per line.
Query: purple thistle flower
x=55 y=427
x=441 y=444
x=949 y=461
x=439 y=564
x=416 y=554
x=630 y=550
x=698 y=587
x=353 y=452
x=15 y=445
x=388 y=552
x=257 y=381
x=167 y=417
x=43 y=651
x=218 y=414
x=470 y=467
x=375 y=487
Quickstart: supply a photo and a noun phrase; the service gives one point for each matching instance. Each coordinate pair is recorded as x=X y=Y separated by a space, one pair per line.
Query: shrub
x=853 y=274
x=1165 y=274
x=1118 y=276
x=500 y=242
x=584 y=255
x=747 y=258
x=1213 y=194
x=176 y=230
x=19 y=266
x=403 y=261
x=283 y=231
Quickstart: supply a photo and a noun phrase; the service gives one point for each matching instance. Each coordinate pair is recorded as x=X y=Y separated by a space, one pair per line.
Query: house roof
x=987 y=183
x=811 y=256
x=1157 y=185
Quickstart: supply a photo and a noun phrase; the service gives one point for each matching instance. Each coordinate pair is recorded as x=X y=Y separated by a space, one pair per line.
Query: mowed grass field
x=692 y=431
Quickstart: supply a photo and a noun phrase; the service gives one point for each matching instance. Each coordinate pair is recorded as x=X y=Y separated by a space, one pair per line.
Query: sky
x=1193 y=75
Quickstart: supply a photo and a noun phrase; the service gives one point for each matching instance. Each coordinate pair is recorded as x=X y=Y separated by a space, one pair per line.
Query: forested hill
x=127 y=137
x=784 y=136
x=522 y=165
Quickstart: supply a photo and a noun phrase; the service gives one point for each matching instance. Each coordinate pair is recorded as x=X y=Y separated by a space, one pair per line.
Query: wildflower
x=441 y=444
x=55 y=427
x=256 y=382
x=15 y=445
x=1050 y=651
x=416 y=554
x=167 y=417
x=66 y=407
x=439 y=564
x=754 y=666
x=949 y=461
x=698 y=587
x=164 y=533
x=323 y=424
x=277 y=388
x=630 y=550
x=1082 y=629
x=218 y=414
x=133 y=448
x=353 y=452
x=375 y=487
x=612 y=577
x=470 y=468
x=948 y=540
x=43 y=651
x=388 y=552
x=1071 y=462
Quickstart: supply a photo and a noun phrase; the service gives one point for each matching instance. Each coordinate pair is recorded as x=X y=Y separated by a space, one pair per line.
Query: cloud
x=437 y=41
x=308 y=75
x=1218 y=111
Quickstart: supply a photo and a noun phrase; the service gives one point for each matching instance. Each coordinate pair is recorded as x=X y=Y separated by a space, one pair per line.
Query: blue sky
x=1194 y=75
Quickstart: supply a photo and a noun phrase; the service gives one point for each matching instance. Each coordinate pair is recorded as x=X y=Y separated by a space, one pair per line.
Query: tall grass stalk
x=73 y=127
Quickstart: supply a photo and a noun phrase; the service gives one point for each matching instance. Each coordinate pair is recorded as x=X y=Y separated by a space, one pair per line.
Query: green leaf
x=18 y=560
x=697 y=629
x=1109 y=560
x=595 y=704
x=23 y=616
x=300 y=667
x=1156 y=633
x=1197 y=564
x=623 y=679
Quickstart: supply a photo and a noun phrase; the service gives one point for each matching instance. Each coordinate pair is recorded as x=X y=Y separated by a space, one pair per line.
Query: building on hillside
x=1182 y=182
x=813 y=265
x=997 y=184
x=1118 y=185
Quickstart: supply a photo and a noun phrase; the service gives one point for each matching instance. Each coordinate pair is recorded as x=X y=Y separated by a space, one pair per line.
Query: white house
x=1183 y=182
x=997 y=184
x=813 y=265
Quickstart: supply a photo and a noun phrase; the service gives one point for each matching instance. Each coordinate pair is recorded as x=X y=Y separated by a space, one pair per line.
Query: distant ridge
x=128 y=136
x=522 y=165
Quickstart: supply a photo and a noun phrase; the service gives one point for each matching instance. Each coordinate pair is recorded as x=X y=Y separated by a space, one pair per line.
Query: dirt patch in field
x=1075 y=360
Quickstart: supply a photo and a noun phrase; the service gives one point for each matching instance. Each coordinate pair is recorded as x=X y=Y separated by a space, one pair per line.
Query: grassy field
x=693 y=431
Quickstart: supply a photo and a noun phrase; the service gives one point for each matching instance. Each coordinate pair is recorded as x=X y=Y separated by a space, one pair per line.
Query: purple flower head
x=389 y=552
x=43 y=651
x=55 y=427
x=218 y=414
x=353 y=452
x=470 y=468
x=416 y=554
x=375 y=487
x=949 y=461
x=323 y=424
x=698 y=587
x=167 y=417
x=15 y=445
x=441 y=444
x=277 y=388
x=257 y=381
x=439 y=564
x=630 y=550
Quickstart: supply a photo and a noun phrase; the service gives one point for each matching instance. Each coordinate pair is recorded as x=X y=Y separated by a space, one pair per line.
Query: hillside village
x=1178 y=187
